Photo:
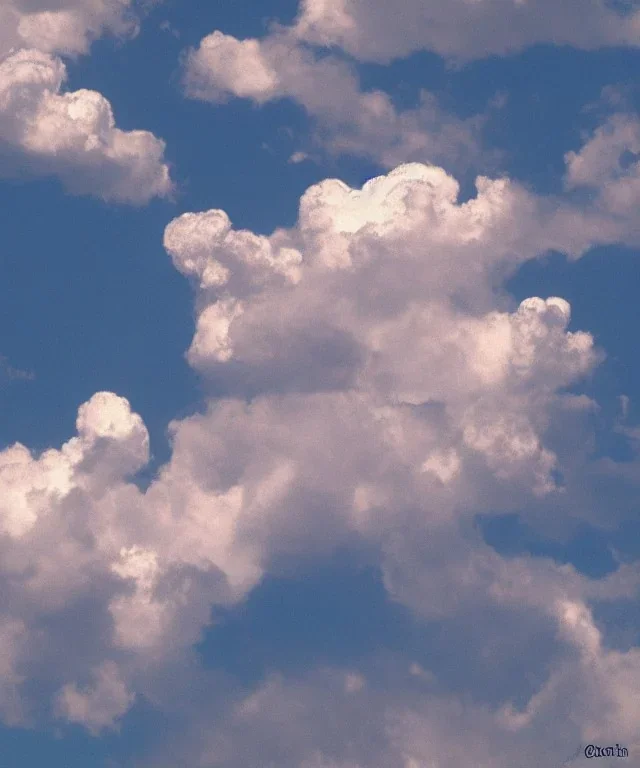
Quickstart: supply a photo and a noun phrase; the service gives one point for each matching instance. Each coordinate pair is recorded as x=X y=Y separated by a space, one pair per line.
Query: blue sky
x=420 y=526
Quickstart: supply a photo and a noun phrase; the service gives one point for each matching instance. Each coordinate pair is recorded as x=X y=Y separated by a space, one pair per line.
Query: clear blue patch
x=588 y=550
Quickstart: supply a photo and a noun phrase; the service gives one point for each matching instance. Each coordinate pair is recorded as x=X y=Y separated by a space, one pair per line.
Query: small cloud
x=499 y=100
x=354 y=683
x=166 y=26
x=9 y=373
x=417 y=671
x=624 y=406
x=298 y=157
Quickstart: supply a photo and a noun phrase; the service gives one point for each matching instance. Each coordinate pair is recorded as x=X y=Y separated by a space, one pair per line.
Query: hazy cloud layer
x=374 y=30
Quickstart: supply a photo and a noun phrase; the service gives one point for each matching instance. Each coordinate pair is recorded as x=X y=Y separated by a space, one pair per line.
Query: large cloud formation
x=45 y=131
x=373 y=384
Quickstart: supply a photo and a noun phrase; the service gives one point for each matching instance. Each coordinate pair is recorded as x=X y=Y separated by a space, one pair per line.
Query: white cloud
x=376 y=385
x=45 y=131
x=314 y=721
x=75 y=530
x=72 y=135
x=374 y=30
x=349 y=120
x=394 y=258
x=240 y=65
x=98 y=706
x=62 y=26
x=303 y=63
x=385 y=331
x=599 y=160
x=609 y=165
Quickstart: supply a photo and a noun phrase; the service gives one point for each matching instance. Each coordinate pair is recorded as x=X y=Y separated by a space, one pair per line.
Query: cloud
x=80 y=543
x=98 y=706
x=306 y=63
x=348 y=119
x=359 y=251
x=9 y=373
x=371 y=383
x=45 y=131
x=600 y=160
x=609 y=165
x=420 y=406
x=462 y=30
x=317 y=720
x=62 y=26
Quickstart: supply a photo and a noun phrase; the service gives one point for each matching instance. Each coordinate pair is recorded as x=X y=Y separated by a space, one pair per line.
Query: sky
x=319 y=384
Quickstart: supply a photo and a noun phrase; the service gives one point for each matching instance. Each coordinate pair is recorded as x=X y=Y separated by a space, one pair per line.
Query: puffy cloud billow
x=371 y=385
x=71 y=135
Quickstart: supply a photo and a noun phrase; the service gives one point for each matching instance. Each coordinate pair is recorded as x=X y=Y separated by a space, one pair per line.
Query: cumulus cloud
x=378 y=311
x=77 y=536
x=349 y=120
x=393 y=258
x=45 y=131
x=442 y=404
x=463 y=30
x=62 y=26
x=73 y=135
x=375 y=384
